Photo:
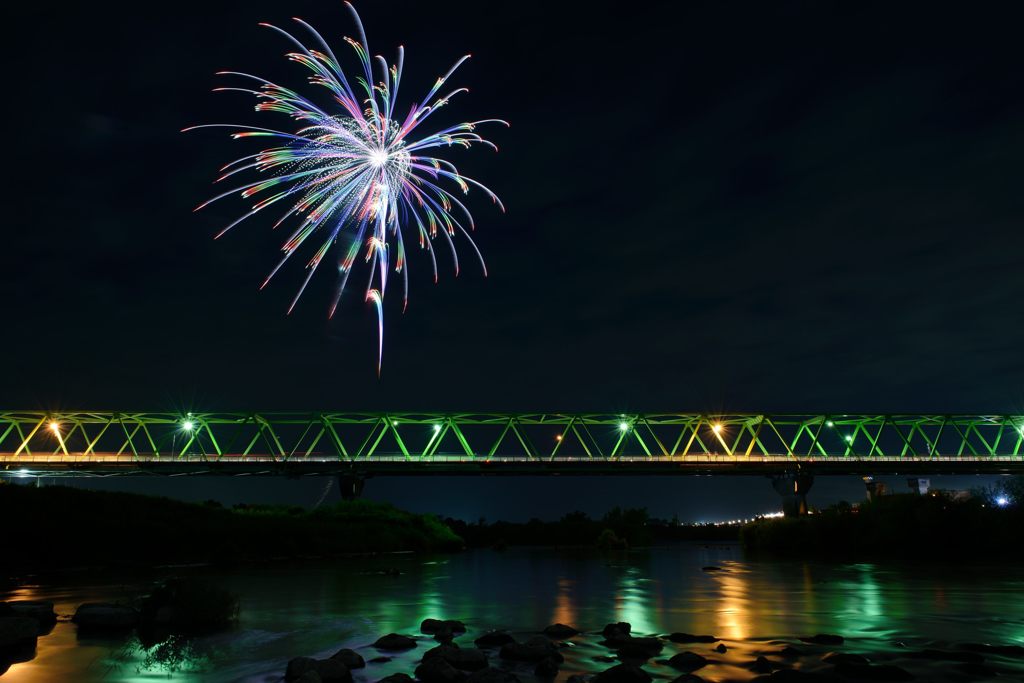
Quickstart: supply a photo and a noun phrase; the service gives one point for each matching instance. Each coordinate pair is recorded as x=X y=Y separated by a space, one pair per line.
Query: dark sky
x=712 y=206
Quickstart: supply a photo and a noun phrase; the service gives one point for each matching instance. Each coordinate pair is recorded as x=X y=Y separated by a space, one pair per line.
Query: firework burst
x=355 y=175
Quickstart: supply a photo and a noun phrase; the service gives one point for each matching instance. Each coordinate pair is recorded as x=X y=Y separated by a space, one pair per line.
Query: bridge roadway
x=376 y=444
x=111 y=464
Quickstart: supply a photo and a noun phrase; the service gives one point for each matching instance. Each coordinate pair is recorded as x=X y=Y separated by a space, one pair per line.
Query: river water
x=756 y=607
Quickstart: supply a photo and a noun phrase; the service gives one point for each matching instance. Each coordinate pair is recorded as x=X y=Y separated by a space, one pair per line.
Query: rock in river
x=466 y=659
x=687 y=661
x=533 y=650
x=16 y=632
x=432 y=626
x=350 y=658
x=437 y=670
x=494 y=639
x=690 y=638
x=395 y=641
x=492 y=675
x=105 y=616
x=560 y=631
x=623 y=673
x=327 y=670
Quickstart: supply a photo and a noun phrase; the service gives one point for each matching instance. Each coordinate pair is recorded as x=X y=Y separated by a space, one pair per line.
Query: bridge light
x=188 y=425
x=1002 y=501
x=23 y=473
x=437 y=428
x=623 y=426
x=717 y=427
x=558 y=437
x=830 y=423
x=848 y=438
x=55 y=427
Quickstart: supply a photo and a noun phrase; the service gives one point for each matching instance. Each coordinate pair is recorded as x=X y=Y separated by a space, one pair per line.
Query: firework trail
x=355 y=174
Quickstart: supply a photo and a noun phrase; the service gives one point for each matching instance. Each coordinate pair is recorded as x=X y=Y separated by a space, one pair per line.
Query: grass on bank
x=906 y=526
x=56 y=526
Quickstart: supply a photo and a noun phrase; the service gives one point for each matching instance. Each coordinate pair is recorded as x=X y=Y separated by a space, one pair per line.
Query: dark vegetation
x=58 y=527
x=619 y=528
x=936 y=525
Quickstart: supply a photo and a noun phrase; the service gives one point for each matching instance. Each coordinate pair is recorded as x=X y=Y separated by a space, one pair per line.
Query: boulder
x=687 y=661
x=17 y=632
x=761 y=665
x=790 y=652
x=310 y=676
x=533 y=650
x=350 y=658
x=690 y=638
x=617 y=629
x=380 y=660
x=546 y=669
x=105 y=616
x=711 y=568
x=432 y=626
x=874 y=672
x=494 y=639
x=33 y=609
x=560 y=631
x=639 y=649
x=623 y=673
x=396 y=678
x=394 y=641
x=824 y=639
x=333 y=671
x=437 y=670
x=721 y=648
x=492 y=675
x=468 y=659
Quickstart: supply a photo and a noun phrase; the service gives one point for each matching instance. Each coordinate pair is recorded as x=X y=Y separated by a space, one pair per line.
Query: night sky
x=768 y=207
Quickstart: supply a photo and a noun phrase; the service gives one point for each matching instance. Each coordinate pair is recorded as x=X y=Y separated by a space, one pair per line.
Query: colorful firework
x=354 y=174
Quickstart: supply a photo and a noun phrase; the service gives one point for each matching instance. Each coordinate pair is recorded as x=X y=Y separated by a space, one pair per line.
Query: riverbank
x=901 y=527
x=57 y=527
x=619 y=528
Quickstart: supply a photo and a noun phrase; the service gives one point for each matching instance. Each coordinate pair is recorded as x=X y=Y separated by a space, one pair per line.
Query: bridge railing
x=27 y=436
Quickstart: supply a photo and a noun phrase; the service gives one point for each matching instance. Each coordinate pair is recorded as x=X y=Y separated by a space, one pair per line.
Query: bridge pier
x=793 y=487
x=351 y=486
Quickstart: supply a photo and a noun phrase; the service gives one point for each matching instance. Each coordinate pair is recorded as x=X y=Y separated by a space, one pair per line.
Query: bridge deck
x=102 y=464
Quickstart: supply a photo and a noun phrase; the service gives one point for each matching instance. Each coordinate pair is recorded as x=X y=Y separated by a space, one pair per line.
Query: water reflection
x=314 y=609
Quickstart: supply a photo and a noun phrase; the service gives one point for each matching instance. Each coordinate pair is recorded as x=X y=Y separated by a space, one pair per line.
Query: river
x=314 y=608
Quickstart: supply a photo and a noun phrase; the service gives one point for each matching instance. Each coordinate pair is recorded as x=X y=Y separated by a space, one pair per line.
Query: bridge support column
x=350 y=486
x=793 y=487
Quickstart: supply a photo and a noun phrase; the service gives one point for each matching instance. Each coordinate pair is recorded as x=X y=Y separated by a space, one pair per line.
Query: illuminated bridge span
x=54 y=443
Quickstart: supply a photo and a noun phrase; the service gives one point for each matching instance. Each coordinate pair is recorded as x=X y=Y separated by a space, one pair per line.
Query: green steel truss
x=37 y=439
